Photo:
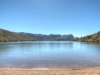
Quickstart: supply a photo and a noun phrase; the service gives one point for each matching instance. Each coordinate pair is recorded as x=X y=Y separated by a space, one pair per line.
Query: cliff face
x=91 y=38
x=6 y=35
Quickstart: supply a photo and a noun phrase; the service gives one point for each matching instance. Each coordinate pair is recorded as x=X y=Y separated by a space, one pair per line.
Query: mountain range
x=6 y=36
x=52 y=37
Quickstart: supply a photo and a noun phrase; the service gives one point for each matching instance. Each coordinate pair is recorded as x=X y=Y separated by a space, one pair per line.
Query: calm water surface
x=49 y=54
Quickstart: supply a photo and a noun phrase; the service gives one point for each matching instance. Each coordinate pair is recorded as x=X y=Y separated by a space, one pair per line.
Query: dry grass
x=67 y=71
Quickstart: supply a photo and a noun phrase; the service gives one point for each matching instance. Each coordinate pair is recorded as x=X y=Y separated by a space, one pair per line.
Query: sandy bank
x=46 y=71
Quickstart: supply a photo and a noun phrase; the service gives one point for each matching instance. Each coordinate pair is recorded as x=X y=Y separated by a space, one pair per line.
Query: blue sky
x=77 y=17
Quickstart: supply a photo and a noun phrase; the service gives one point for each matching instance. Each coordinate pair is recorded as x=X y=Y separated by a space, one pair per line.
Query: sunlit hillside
x=91 y=38
x=6 y=35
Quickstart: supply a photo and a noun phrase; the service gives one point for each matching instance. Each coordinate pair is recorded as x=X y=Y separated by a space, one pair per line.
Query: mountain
x=6 y=35
x=90 y=38
x=53 y=37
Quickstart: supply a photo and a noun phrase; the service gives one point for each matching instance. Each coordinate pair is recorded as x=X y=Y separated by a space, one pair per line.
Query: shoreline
x=50 y=71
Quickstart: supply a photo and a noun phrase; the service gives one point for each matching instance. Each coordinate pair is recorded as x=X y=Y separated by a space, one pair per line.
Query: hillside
x=6 y=35
x=52 y=37
x=91 y=38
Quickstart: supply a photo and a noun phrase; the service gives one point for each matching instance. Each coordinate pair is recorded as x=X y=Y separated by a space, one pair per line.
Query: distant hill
x=53 y=37
x=90 y=38
x=6 y=35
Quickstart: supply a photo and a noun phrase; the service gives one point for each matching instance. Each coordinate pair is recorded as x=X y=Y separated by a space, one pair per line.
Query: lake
x=49 y=54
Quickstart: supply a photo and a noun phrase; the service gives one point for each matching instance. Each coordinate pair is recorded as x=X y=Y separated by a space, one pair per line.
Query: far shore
x=51 y=71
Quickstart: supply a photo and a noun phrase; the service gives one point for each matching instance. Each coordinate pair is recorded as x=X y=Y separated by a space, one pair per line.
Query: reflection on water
x=33 y=54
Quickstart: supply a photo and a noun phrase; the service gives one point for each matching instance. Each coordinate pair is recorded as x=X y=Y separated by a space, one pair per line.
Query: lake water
x=49 y=54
